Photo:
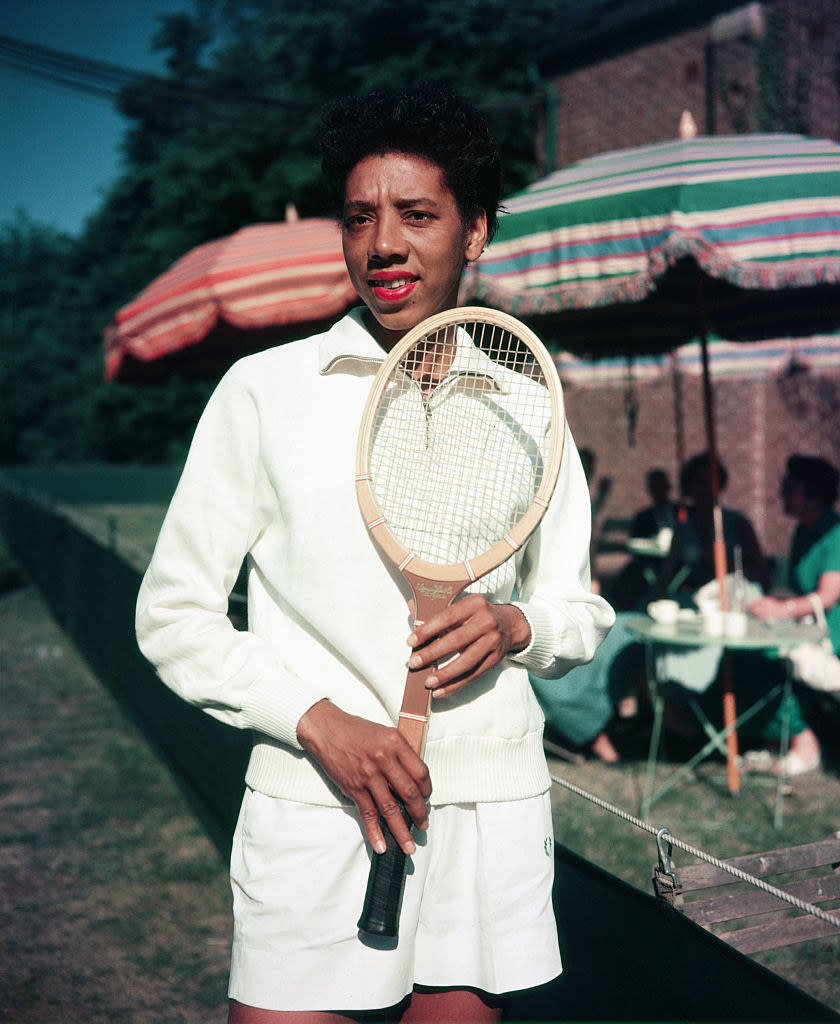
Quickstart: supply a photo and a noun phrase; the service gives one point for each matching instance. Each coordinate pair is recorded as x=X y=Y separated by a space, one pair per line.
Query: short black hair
x=817 y=476
x=698 y=468
x=427 y=120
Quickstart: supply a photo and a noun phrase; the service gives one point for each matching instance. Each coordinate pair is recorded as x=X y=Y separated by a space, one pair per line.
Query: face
x=795 y=500
x=405 y=242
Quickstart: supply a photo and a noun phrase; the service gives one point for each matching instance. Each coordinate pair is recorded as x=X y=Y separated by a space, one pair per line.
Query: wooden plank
x=729 y=906
x=761 y=865
x=779 y=933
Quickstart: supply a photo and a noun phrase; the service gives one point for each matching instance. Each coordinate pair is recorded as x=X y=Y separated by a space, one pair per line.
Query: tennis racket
x=458 y=454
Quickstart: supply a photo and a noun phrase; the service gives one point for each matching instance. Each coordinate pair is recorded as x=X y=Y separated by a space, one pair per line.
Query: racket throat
x=430 y=597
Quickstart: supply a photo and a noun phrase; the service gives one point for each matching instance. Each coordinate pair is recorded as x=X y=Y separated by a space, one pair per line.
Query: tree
x=225 y=138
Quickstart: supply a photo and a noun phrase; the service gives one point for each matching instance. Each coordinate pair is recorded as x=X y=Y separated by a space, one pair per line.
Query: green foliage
x=781 y=106
x=227 y=137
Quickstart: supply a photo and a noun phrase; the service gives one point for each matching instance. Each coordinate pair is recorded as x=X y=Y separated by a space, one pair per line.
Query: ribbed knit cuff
x=540 y=652
x=275 y=710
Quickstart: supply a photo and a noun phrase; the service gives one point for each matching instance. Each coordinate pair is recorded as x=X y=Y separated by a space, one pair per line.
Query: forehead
x=396 y=177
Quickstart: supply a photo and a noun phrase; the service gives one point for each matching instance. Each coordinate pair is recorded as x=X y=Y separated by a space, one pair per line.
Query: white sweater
x=270 y=478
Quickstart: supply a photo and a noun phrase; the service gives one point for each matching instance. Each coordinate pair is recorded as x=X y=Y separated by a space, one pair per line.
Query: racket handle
x=381 y=909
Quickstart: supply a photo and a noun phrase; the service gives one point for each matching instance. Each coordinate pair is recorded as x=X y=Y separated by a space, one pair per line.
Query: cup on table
x=665 y=612
x=735 y=623
x=713 y=621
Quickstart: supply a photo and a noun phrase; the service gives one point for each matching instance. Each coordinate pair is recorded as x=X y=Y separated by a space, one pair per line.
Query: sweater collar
x=349 y=343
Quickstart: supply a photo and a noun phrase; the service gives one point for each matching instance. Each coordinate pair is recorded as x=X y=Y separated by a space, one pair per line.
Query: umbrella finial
x=688 y=126
x=291 y=213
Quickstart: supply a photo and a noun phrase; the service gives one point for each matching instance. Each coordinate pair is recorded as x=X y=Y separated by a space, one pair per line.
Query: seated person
x=661 y=514
x=693 y=544
x=579 y=707
x=753 y=672
x=809 y=491
x=631 y=588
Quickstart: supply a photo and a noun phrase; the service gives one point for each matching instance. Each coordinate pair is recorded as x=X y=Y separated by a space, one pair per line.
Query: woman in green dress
x=809 y=491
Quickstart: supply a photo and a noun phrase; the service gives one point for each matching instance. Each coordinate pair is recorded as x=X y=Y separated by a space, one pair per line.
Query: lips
x=392 y=287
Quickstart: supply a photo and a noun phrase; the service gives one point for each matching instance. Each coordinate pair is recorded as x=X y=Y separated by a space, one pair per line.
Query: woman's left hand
x=474 y=634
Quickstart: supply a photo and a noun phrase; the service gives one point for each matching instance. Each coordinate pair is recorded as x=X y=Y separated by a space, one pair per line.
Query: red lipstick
x=391 y=285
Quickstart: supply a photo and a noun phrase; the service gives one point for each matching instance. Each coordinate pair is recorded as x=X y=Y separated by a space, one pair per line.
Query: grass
x=114 y=906
x=102 y=846
x=701 y=813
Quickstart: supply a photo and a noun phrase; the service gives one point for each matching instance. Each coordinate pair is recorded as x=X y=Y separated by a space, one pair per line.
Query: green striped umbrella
x=642 y=249
x=607 y=253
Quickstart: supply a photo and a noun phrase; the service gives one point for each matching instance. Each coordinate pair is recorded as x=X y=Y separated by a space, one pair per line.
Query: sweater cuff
x=540 y=652
x=276 y=710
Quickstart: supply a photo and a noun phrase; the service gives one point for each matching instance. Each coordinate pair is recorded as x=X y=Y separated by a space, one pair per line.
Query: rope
x=660 y=833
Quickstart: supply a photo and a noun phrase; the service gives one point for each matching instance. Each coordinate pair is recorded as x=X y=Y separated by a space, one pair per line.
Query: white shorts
x=476 y=911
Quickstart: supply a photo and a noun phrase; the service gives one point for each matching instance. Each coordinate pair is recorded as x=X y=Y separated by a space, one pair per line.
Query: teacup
x=735 y=624
x=713 y=621
x=665 y=612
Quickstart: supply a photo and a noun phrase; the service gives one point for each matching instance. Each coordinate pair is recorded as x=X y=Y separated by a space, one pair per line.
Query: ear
x=475 y=236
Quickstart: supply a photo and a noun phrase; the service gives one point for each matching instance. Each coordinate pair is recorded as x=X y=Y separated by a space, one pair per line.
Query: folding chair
x=747 y=917
x=716 y=738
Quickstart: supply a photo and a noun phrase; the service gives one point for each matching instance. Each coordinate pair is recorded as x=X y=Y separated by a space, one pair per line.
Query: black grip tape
x=383 y=898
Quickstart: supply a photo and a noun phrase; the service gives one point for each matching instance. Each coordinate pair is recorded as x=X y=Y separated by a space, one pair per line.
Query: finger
x=470 y=641
x=445 y=687
x=371 y=823
x=413 y=795
x=398 y=821
x=448 y=618
x=452 y=630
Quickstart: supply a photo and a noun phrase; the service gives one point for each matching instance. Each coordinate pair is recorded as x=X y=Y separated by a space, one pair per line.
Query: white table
x=770 y=636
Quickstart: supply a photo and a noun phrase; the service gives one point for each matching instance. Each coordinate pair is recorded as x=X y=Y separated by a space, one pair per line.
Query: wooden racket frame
x=435 y=586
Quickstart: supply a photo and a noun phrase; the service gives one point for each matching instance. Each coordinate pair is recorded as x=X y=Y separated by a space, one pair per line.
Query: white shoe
x=795 y=764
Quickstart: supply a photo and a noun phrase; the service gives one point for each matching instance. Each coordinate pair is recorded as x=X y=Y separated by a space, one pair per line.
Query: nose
x=387 y=242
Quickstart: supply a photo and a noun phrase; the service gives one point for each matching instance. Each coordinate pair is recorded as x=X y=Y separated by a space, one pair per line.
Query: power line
x=106 y=80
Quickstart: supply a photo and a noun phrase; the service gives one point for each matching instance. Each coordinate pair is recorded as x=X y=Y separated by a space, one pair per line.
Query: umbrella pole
x=679 y=421
x=730 y=712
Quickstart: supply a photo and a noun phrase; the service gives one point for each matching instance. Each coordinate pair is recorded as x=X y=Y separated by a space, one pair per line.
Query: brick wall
x=759 y=422
x=638 y=98
x=630 y=100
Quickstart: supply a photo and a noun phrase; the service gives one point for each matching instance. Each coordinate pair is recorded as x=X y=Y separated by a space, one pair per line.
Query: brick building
x=624 y=77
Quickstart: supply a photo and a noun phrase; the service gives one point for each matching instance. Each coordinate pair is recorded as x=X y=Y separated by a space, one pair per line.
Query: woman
x=318 y=675
x=809 y=491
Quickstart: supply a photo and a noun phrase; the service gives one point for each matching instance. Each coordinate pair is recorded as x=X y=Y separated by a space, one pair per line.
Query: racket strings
x=459 y=442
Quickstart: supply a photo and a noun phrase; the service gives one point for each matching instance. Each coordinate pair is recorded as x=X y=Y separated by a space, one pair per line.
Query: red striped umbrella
x=256 y=287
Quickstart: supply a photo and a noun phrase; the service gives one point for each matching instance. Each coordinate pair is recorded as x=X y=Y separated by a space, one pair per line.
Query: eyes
x=414 y=217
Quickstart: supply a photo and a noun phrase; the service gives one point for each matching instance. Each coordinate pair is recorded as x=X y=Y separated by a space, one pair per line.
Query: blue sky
x=60 y=148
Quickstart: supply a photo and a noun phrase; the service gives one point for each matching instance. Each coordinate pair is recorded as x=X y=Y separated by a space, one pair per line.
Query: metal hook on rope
x=664 y=880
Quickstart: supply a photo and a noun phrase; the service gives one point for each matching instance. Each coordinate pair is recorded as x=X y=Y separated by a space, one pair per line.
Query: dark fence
x=83 y=484
x=91 y=592
x=627 y=956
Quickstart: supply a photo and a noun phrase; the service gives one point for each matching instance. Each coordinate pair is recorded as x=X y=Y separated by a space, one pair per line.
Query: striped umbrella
x=755 y=214
x=643 y=249
x=256 y=287
x=727 y=361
